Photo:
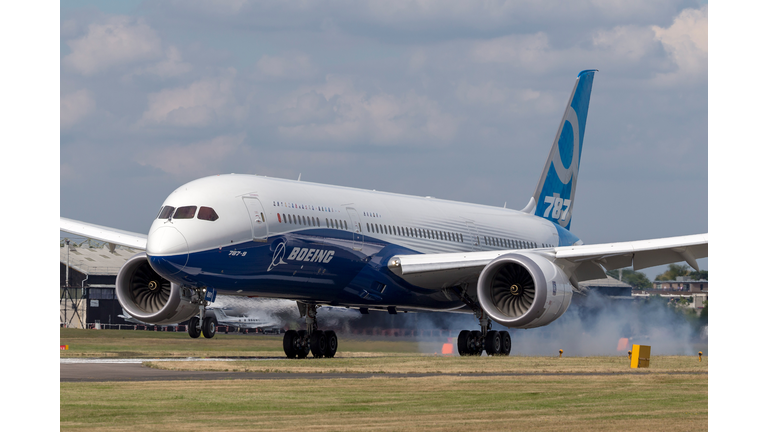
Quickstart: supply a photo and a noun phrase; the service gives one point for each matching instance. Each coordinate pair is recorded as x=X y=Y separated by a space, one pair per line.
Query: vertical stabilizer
x=555 y=193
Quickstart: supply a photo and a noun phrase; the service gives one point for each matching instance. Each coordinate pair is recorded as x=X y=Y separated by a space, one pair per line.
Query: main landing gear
x=476 y=341
x=300 y=343
x=492 y=341
x=201 y=323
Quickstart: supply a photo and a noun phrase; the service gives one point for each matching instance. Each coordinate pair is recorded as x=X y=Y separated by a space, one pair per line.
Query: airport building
x=87 y=288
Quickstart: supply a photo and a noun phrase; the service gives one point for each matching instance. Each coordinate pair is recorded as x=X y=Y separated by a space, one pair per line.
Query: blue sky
x=449 y=99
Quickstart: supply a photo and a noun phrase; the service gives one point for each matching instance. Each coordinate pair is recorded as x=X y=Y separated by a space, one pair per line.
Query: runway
x=104 y=370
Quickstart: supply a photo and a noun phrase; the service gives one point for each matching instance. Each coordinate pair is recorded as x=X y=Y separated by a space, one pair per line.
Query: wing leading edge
x=579 y=262
x=110 y=235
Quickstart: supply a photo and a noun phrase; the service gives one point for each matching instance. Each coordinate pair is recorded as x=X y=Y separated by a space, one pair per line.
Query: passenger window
x=207 y=213
x=345 y=226
x=166 y=212
x=186 y=212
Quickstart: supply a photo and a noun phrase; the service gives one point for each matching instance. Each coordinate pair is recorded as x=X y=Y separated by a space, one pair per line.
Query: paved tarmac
x=133 y=370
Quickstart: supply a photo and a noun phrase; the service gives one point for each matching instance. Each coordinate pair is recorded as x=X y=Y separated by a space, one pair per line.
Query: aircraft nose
x=167 y=246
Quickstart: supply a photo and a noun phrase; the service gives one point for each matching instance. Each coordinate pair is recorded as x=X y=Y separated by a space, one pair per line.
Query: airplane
x=221 y=318
x=244 y=321
x=319 y=245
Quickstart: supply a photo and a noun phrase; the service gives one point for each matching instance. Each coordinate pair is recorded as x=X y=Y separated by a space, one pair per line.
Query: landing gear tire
x=302 y=348
x=209 y=327
x=462 y=344
x=333 y=343
x=290 y=339
x=506 y=343
x=318 y=343
x=492 y=343
x=194 y=332
x=476 y=343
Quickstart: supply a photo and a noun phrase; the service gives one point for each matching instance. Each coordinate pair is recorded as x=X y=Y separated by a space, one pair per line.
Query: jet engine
x=523 y=290
x=148 y=297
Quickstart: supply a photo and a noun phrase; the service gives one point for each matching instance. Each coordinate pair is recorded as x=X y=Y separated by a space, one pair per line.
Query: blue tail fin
x=555 y=193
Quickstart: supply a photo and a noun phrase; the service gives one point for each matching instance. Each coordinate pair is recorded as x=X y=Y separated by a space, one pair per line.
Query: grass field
x=151 y=344
x=640 y=400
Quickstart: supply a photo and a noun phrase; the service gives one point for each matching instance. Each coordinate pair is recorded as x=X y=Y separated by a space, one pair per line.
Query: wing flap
x=110 y=235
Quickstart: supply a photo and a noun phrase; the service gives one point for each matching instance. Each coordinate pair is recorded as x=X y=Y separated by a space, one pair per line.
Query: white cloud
x=529 y=51
x=172 y=65
x=381 y=119
x=294 y=65
x=194 y=160
x=121 y=40
x=199 y=104
x=75 y=106
x=686 y=42
x=626 y=43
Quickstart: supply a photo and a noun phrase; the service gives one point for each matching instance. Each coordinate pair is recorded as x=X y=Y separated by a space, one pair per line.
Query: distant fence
x=161 y=328
x=375 y=331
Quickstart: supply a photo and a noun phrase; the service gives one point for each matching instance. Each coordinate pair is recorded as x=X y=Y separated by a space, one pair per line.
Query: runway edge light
x=641 y=356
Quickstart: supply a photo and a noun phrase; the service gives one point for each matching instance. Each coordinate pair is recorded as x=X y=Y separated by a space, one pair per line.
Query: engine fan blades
x=513 y=290
x=150 y=292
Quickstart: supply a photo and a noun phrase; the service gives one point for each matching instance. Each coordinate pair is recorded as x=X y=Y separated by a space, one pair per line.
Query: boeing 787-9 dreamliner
x=248 y=235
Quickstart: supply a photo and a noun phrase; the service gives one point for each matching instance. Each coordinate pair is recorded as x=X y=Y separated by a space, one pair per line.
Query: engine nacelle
x=148 y=297
x=523 y=290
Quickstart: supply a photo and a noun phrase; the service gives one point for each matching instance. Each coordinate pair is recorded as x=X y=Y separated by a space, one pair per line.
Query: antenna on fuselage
x=299 y=177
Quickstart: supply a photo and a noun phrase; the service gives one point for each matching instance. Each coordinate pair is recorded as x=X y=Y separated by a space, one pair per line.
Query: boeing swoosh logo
x=277 y=257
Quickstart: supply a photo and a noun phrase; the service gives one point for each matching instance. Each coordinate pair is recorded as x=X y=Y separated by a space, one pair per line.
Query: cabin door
x=357 y=229
x=257 y=217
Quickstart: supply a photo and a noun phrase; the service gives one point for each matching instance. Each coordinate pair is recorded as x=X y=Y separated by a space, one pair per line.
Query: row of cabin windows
x=404 y=231
x=414 y=232
x=509 y=244
x=311 y=221
x=187 y=212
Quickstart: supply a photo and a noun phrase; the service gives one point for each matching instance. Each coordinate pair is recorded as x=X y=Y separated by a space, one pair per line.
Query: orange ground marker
x=447 y=348
x=623 y=344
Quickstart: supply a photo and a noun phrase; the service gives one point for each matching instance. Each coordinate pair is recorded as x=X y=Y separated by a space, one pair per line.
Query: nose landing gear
x=201 y=323
x=300 y=343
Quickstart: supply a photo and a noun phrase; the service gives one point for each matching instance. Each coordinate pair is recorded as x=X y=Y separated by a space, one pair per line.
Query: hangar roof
x=607 y=282
x=96 y=260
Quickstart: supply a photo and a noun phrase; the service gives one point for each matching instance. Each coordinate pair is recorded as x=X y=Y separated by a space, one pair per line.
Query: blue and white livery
x=328 y=245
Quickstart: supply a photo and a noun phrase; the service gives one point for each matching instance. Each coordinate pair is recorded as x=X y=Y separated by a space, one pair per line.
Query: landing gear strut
x=300 y=343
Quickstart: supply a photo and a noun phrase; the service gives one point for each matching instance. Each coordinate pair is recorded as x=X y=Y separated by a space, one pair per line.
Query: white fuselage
x=289 y=239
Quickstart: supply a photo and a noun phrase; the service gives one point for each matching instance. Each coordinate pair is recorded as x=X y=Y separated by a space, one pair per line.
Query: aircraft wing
x=585 y=262
x=105 y=234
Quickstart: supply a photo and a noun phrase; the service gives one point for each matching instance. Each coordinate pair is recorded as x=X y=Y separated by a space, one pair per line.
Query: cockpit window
x=187 y=212
x=207 y=213
x=166 y=212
